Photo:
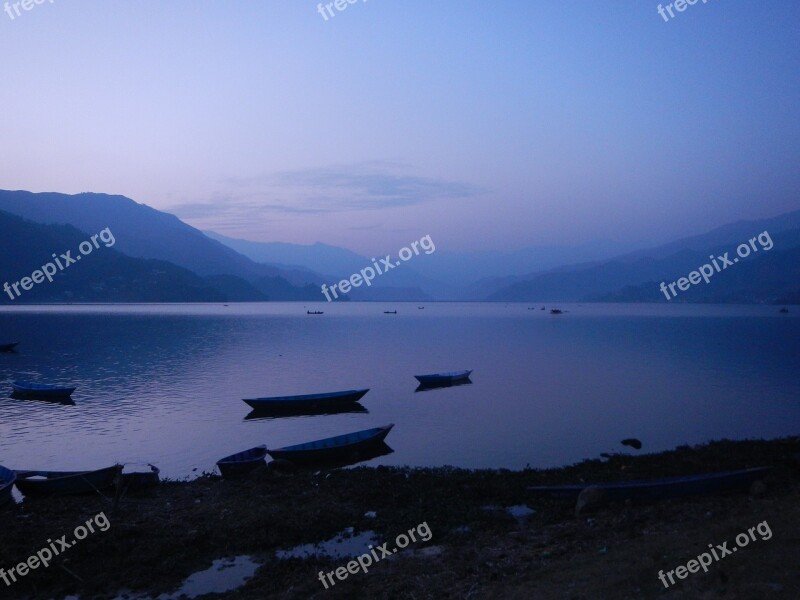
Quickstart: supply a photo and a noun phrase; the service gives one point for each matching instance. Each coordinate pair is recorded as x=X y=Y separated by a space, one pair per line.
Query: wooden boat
x=284 y=412
x=556 y=311
x=7 y=479
x=56 y=483
x=333 y=448
x=41 y=390
x=240 y=464
x=666 y=487
x=8 y=347
x=443 y=378
x=307 y=401
x=315 y=312
x=140 y=480
x=390 y=312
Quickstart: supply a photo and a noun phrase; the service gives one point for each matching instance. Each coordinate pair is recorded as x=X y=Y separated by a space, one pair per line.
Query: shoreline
x=476 y=549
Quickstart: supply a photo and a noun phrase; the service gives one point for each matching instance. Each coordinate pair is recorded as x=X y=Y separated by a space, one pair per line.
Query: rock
x=757 y=488
x=632 y=442
x=590 y=498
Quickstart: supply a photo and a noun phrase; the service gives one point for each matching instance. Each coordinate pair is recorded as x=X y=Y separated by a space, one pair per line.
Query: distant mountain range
x=158 y=258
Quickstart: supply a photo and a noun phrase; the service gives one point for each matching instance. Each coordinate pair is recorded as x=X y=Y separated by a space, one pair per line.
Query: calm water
x=163 y=383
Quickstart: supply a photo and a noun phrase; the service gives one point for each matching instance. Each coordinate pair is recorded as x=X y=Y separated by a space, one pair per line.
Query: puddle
x=520 y=511
x=343 y=545
x=224 y=575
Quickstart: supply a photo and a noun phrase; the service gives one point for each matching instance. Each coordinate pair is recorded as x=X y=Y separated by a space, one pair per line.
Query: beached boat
x=56 y=483
x=8 y=347
x=658 y=489
x=7 y=479
x=334 y=447
x=240 y=464
x=307 y=401
x=41 y=390
x=435 y=379
x=140 y=480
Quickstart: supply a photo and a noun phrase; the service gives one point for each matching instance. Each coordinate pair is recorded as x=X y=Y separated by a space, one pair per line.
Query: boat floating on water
x=240 y=464
x=41 y=390
x=441 y=379
x=332 y=448
x=7 y=479
x=8 y=347
x=314 y=312
x=307 y=401
x=390 y=312
x=58 y=483
x=657 y=489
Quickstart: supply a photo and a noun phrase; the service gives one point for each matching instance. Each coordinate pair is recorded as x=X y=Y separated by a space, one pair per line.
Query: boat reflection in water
x=427 y=387
x=280 y=413
x=64 y=400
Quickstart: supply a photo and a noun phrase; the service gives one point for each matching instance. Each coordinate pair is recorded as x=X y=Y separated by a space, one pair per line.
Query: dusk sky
x=488 y=125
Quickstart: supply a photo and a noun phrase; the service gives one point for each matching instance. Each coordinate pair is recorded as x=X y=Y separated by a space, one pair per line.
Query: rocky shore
x=477 y=547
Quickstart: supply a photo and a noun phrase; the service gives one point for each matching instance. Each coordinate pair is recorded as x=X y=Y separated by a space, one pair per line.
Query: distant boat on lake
x=240 y=464
x=56 y=483
x=8 y=347
x=41 y=390
x=340 y=446
x=390 y=312
x=556 y=311
x=314 y=312
x=436 y=379
x=307 y=401
x=7 y=479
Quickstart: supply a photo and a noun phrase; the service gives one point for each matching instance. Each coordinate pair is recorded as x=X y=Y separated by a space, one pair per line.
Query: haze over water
x=163 y=384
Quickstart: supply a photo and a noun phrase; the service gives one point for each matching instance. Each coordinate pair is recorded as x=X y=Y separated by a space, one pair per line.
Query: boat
x=333 y=448
x=307 y=401
x=240 y=464
x=56 y=483
x=41 y=390
x=390 y=312
x=140 y=480
x=657 y=489
x=8 y=347
x=285 y=412
x=7 y=479
x=314 y=312
x=556 y=311
x=443 y=378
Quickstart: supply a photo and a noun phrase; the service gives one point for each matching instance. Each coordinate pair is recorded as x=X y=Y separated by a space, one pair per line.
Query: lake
x=163 y=384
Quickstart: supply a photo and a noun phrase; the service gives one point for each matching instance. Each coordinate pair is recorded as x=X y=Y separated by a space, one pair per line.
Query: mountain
x=401 y=284
x=637 y=276
x=143 y=232
x=102 y=275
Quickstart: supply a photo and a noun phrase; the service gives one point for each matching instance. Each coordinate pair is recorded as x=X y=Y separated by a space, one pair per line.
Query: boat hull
x=307 y=401
x=58 y=483
x=240 y=464
x=41 y=391
x=8 y=347
x=7 y=479
x=334 y=448
x=658 y=489
x=442 y=378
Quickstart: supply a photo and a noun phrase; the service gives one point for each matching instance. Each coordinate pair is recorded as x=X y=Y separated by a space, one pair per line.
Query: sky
x=487 y=125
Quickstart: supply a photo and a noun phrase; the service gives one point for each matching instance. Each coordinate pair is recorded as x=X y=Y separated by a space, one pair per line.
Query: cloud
x=367 y=186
